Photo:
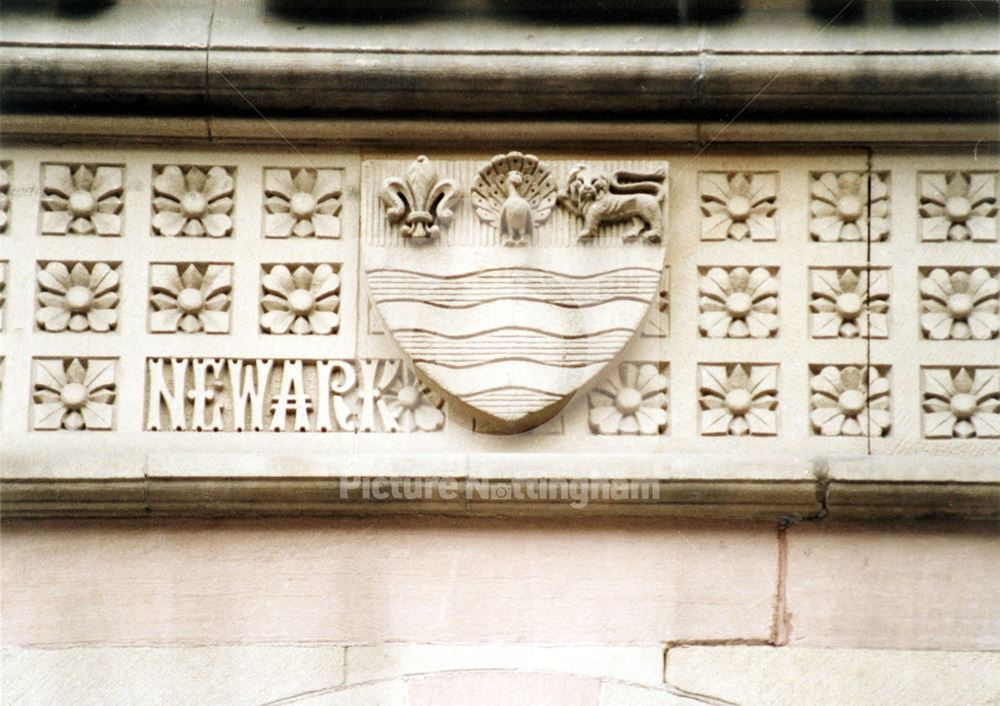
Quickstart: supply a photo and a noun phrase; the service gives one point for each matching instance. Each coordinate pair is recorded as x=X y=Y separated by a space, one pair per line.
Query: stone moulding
x=618 y=76
x=769 y=490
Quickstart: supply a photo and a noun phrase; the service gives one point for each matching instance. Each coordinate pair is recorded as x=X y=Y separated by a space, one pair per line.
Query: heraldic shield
x=512 y=283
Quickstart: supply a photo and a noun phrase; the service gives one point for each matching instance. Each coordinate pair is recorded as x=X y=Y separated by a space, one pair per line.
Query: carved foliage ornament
x=738 y=205
x=849 y=206
x=303 y=203
x=81 y=199
x=300 y=299
x=960 y=303
x=193 y=202
x=511 y=333
x=77 y=296
x=738 y=303
x=190 y=297
x=850 y=401
x=632 y=400
x=739 y=400
x=849 y=303
x=958 y=206
x=963 y=403
x=74 y=394
x=3 y=288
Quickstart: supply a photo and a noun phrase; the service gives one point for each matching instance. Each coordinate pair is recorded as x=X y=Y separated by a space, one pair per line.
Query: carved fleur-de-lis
x=420 y=200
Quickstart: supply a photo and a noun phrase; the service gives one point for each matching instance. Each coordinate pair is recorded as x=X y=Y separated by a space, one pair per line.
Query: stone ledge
x=908 y=487
x=484 y=485
x=914 y=500
x=500 y=674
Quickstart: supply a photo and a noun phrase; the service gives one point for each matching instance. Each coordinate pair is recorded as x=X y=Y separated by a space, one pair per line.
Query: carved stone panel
x=189 y=297
x=77 y=296
x=193 y=201
x=510 y=333
x=82 y=199
x=74 y=394
x=742 y=312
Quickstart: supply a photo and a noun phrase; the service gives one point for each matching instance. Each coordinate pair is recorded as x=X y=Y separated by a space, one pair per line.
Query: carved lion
x=627 y=196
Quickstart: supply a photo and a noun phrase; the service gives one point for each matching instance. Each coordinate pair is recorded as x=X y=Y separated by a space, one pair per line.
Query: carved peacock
x=515 y=193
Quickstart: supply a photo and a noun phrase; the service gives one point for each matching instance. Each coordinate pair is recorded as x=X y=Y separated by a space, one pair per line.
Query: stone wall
x=436 y=612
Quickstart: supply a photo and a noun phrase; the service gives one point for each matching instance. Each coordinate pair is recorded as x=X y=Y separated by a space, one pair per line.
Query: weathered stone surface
x=246 y=675
x=768 y=676
x=366 y=582
x=617 y=694
x=639 y=664
x=147 y=676
x=925 y=586
x=386 y=693
x=502 y=688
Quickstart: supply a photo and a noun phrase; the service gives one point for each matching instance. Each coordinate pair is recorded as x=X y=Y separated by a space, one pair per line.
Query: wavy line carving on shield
x=509 y=334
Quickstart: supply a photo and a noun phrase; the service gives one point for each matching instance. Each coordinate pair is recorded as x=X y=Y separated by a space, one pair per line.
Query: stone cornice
x=231 y=58
x=326 y=84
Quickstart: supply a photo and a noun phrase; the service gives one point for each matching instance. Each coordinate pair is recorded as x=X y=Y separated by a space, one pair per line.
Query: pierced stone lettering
x=216 y=394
